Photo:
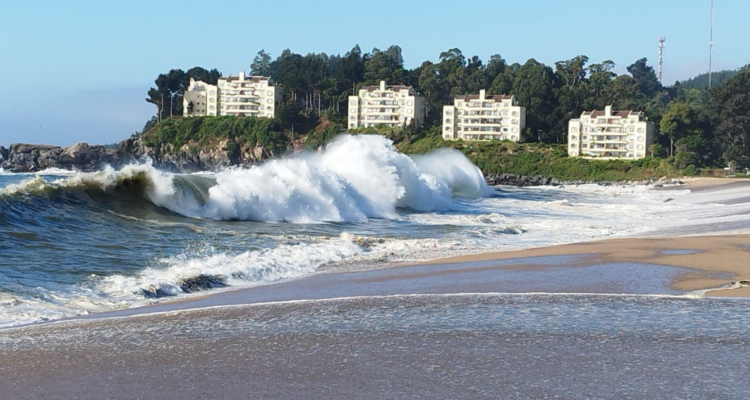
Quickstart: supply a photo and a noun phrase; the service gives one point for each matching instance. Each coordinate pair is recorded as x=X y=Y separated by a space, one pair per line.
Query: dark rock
x=202 y=282
x=155 y=292
x=744 y=283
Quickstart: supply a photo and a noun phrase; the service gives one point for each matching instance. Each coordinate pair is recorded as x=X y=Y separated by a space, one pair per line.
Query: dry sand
x=706 y=255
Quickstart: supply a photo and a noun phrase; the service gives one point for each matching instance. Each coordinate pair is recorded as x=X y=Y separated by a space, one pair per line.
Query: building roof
x=388 y=87
x=619 y=114
x=251 y=78
x=496 y=97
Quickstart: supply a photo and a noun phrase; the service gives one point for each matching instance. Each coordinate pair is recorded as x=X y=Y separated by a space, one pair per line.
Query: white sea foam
x=241 y=270
x=353 y=179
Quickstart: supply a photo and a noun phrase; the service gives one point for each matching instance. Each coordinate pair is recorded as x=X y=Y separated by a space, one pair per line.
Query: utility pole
x=662 y=39
x=710 y=44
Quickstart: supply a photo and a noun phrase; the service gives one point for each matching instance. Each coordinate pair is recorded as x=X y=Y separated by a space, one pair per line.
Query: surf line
x=80 y=321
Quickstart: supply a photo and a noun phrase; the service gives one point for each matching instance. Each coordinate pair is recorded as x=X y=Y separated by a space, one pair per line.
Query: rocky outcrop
x=83 y=157
x=3 y=154
x=521 y=180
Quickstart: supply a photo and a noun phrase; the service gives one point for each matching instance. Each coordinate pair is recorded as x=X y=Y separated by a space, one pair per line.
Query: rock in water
x=202 y=282
x=154 y=292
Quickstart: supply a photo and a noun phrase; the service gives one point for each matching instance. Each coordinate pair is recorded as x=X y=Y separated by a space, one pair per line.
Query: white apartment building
x=393 y=106
x=482 y=117
x=233 y=95
x=200 y=99
x=610 y=135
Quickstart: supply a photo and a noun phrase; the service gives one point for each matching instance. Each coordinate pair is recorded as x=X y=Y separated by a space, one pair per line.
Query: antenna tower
x=710 y=44
x=662 y=39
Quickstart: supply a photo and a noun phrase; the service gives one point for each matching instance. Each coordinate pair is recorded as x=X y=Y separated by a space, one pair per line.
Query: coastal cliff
x=21 y=157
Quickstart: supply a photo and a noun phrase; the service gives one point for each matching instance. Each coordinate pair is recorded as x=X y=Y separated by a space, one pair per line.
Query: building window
x=448 y=113
x=448 y=128
x=447 y=120
x=269 y=93
x=515 y=113
x=514 y=122
x=572 y=145
x=584 y=146
x=585 y=128
x=408 y=103
x=639 y=147
x=505 y=129
x=573 y=130
x=573 y=137
x=353 y=102
x=512 y=137
x=408 y=110
x=514 y=130
x=639 y=155
x=353 y=117
x=640 y=138
x=585 y=137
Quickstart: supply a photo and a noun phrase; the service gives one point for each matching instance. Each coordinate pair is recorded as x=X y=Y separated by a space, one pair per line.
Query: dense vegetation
x=701 y=81
x=697 y=128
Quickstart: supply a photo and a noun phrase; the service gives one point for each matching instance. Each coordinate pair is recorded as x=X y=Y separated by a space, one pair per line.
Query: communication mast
x=710 y=44
x=662 y=39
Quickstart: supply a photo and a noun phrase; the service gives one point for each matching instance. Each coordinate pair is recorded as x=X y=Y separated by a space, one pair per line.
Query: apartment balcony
x=382 y=111
x=482 y=121
x=484 y=129
x=609 y=139
x=372 y=118
x=380 y=103
x=380 y=96
x=482 y=136
x=610 y=123
x=242 y=108
x=241 y=101
x=605 y=149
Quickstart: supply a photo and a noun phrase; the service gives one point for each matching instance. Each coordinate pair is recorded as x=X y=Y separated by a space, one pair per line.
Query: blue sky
x=79 y=70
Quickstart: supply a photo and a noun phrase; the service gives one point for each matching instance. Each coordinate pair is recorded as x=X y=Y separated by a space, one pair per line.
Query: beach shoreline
x=688 y=265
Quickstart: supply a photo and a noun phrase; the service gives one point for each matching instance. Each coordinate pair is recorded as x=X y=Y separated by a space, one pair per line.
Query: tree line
x=696 y=126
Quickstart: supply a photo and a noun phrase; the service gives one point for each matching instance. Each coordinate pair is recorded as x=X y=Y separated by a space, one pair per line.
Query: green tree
x=261 y=64
x=645 y=76
x=729 y=110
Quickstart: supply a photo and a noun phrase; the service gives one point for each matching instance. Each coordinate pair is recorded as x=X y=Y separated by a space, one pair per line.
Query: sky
x=79 y=70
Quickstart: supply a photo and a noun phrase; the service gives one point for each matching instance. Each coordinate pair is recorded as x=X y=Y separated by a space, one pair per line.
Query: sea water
x=77 y=243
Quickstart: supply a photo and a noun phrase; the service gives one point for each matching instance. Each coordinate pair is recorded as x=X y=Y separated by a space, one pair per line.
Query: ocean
x=79 y=243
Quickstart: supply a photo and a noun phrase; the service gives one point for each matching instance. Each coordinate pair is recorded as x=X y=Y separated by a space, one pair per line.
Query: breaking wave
x=354 y=178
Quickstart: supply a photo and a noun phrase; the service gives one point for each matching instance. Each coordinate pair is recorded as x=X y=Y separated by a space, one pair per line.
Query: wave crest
x=354 y=178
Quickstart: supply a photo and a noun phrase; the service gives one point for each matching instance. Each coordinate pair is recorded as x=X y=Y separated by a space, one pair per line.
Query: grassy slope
x=546 y=160
x=491 y=157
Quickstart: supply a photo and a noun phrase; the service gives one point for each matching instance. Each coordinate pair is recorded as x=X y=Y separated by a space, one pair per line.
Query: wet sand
x=704 y=256
x=420 y=347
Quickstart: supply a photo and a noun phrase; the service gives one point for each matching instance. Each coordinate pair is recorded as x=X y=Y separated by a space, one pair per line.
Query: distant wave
x=352 y=179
